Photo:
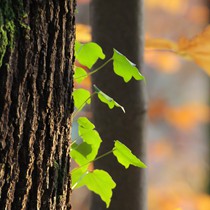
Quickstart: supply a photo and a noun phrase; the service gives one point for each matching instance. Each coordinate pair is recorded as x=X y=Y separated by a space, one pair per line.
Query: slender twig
x=103 y=155
x=79 y=109
x=99 y=157
x=96 y=70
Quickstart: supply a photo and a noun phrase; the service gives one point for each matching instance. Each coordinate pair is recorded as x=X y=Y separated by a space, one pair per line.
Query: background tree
x=118 y=24
x=36 y=58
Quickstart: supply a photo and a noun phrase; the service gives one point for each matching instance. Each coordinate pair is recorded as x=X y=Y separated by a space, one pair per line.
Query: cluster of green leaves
x=85 y=151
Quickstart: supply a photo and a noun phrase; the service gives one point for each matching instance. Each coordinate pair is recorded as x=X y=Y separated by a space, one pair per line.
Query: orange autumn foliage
x=187 y=116
x=164 y=61
x=184 y=117
x=83 y=33
x=166 y=200
x=172 y=6
x=196 y=49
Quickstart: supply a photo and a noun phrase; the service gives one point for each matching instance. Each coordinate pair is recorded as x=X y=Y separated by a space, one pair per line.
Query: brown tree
x=118 y=24
x=36 y=59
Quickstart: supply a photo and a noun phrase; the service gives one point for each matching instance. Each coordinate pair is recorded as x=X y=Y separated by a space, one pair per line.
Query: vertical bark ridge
x=35 y=107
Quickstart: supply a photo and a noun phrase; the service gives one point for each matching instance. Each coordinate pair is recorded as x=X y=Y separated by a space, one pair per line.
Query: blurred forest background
x=178 y=96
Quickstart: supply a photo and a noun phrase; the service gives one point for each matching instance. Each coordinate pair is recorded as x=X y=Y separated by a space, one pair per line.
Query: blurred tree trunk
x=208 y=184
x=119 y=24
x=36 y=58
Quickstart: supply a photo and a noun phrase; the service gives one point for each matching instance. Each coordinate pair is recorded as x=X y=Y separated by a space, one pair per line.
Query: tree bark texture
x=36 y=68
x=119 y=24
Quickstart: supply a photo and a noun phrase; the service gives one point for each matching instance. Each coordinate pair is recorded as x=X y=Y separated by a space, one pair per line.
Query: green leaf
x=80 y=74
x=125 y=68
x=88 y=150
x=84 y=123
x=81 y=98
x=88 y=54
x=83 y=148
x=98 y=181
x=107 y=100
x=77 y=46
x=125 y=156
x=77 y=175
x=81 y=153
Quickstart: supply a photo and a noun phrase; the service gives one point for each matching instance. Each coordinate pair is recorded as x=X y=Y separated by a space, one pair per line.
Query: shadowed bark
x=36 y=59
x=118 y=24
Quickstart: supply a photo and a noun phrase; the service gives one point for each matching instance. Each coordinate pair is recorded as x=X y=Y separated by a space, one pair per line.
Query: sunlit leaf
x=77 y=47
x=107 y=100
x=98 y=181
x=160 y=44
x=81 y=98
x=80 y=74
x=125 y=156
x=81 y=153
x=88 y=54
x=84 y=123
x=196 y=49
x=87 y=151
x=125 y=68
x=77 y=175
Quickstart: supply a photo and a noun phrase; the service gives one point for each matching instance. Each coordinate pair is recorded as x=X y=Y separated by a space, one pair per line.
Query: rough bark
x=36 y=58
x=118 y=24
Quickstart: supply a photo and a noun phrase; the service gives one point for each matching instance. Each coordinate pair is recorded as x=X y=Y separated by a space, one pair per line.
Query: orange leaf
x=83 y=33
x=160 y=44
x=197 y=48
x=165 y=62
x=187 y=116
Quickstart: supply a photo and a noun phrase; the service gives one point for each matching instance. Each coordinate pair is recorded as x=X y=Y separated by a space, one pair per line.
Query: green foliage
x=125 y=156
x=88 y=54
x=125 y=68
x=80 y=74
x=81 y=97
x=107 y=99
x=85 y=151
x=100 y=182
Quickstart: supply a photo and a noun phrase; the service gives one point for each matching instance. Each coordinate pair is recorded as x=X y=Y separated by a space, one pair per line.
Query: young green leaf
x=77 y=46
x=107 y=100
x=87 y=54
x=125 y=68
x=80 y=74
x=98 y=181
x=81 y=153
x=84 y=123
x=125 y=156
x=81 y=98
x=77 y=175
x=88 y=150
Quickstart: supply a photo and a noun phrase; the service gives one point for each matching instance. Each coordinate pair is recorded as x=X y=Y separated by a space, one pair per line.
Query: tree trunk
x=208 y=169
x=36 y=68
x=118 y=24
